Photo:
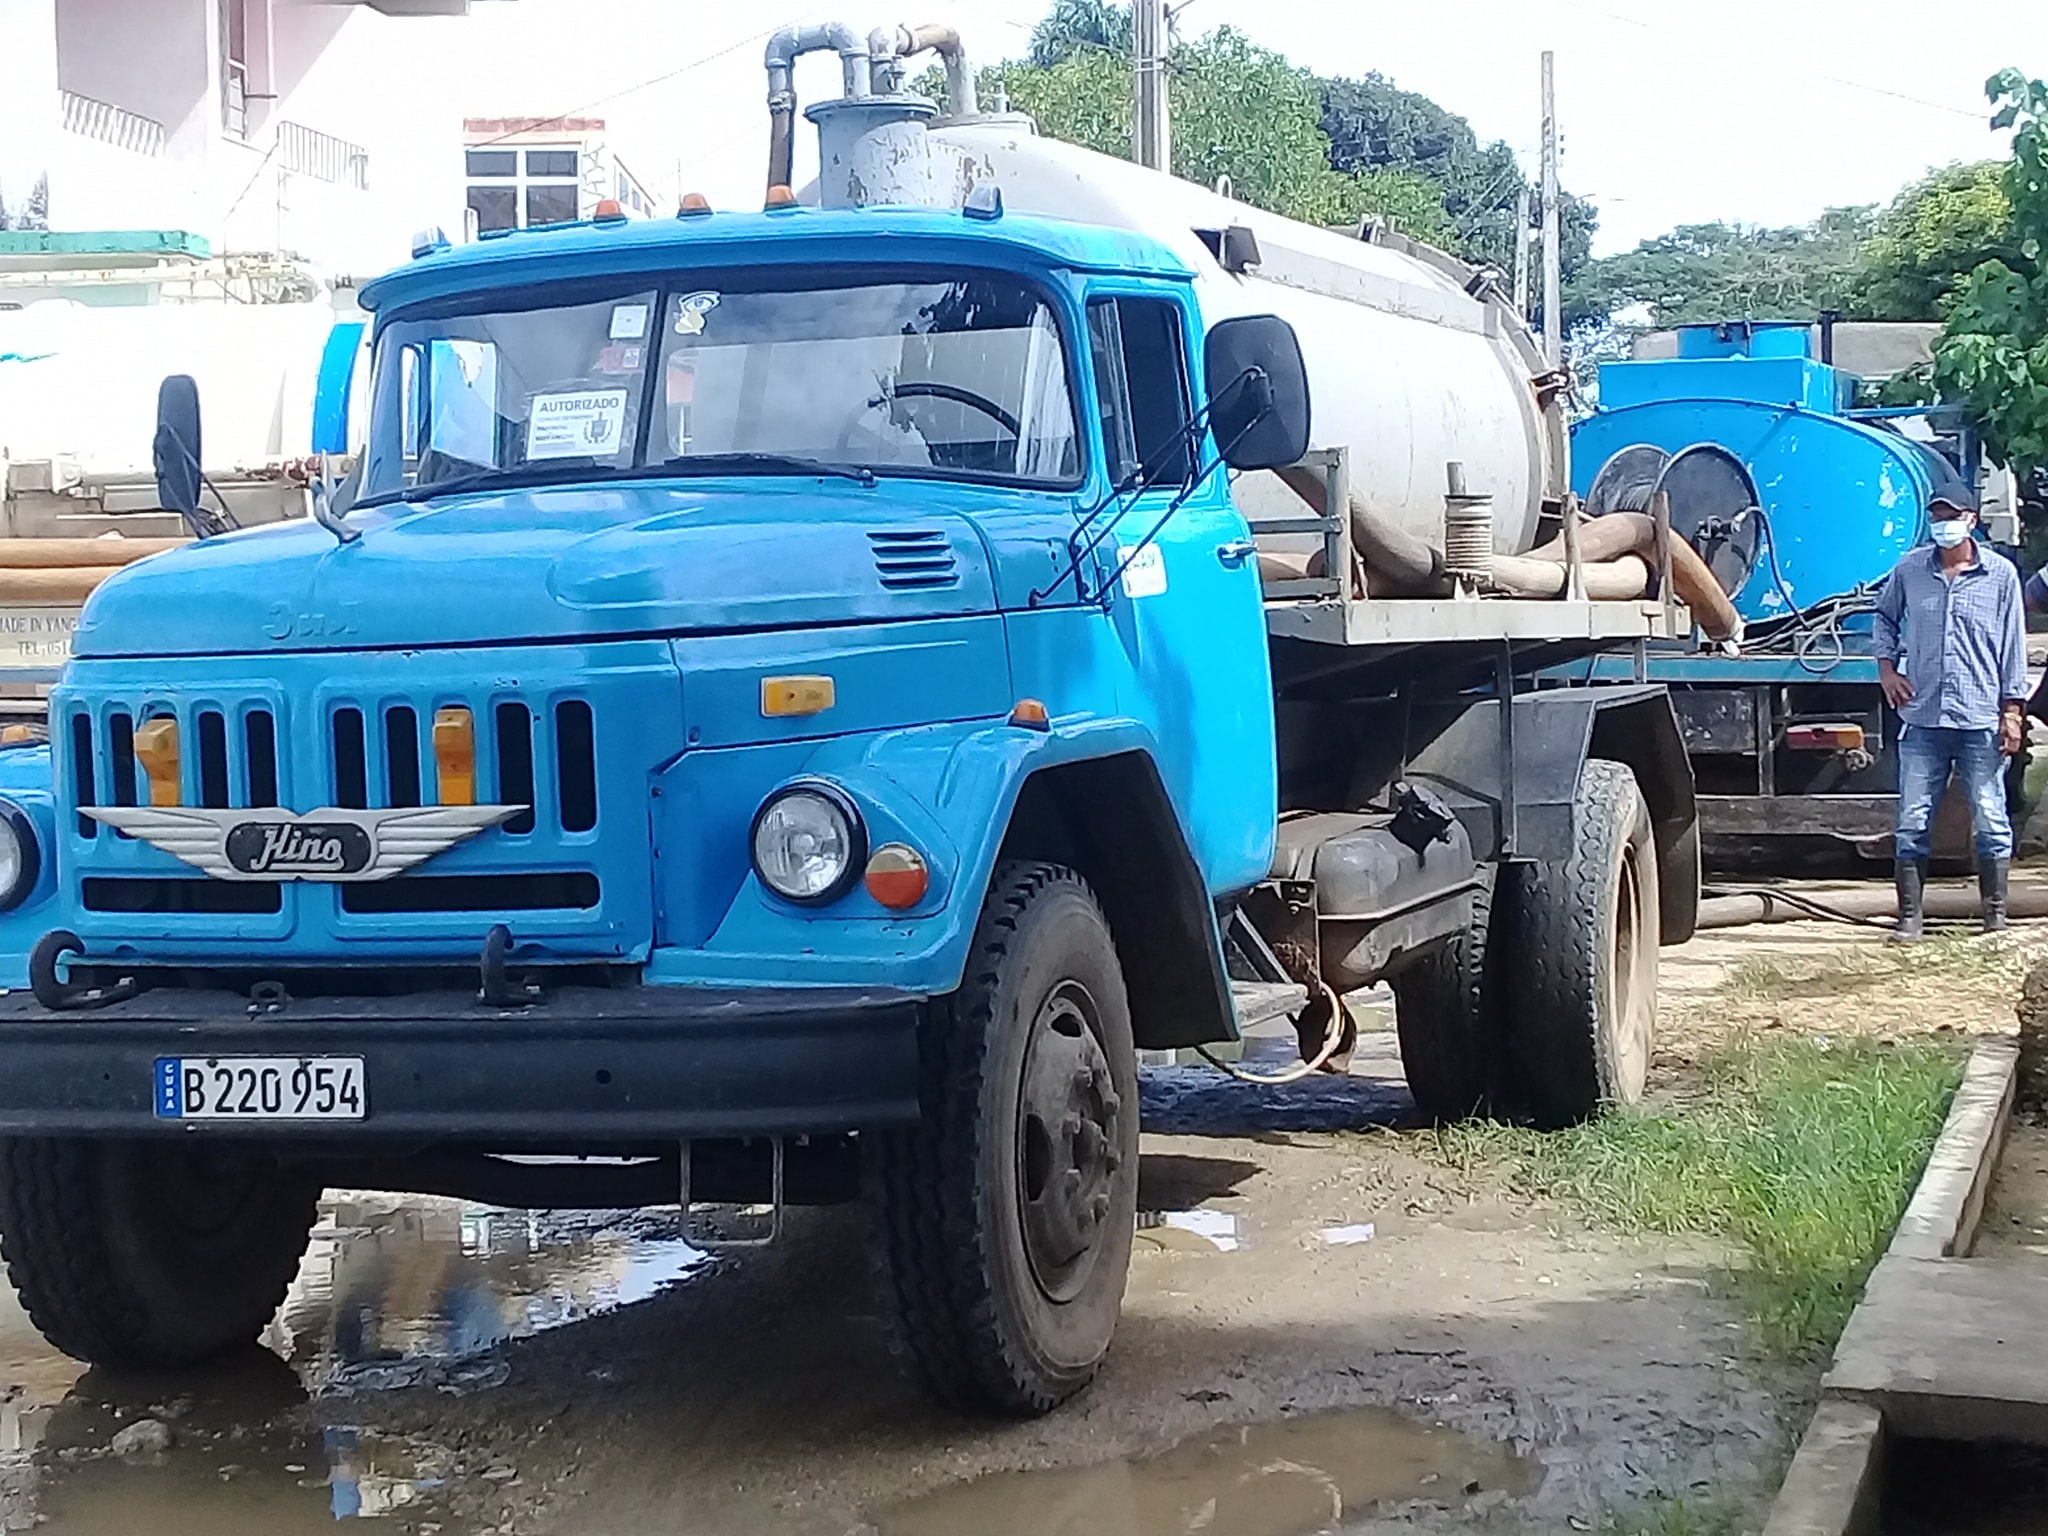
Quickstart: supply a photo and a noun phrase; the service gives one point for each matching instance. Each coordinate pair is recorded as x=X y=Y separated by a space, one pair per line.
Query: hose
x=1332 y=1040
x=1865 y=908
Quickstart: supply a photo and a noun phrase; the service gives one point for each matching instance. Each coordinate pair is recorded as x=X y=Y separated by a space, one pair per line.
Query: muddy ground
x=1326 y=1327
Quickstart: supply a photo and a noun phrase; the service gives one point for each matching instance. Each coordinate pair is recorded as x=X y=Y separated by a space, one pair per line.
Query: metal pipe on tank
x=889 y=47
x=785 y=47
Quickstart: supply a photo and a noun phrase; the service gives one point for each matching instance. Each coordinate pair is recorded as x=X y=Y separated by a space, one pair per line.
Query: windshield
x=964 y=377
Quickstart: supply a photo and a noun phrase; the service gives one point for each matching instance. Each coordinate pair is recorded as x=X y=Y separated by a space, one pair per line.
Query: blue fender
x=25 y=780
x=947 y=790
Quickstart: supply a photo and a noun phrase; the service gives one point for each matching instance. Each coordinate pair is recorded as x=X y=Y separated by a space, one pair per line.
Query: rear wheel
x=1578 y=1022
x=149 y=1254
x=1443 y=1013
x=1005 y=1217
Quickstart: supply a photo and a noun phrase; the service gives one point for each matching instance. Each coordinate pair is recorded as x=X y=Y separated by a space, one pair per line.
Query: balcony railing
x=309 y=152
x=113 y=125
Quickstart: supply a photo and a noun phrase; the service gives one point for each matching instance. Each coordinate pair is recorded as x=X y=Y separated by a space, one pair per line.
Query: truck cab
x=782 y=696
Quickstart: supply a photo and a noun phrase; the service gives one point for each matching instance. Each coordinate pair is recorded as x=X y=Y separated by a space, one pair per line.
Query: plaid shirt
x=1964 y=644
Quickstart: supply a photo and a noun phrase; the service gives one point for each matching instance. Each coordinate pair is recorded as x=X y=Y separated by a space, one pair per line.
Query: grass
x=1801 y=1152
x=1957 y=954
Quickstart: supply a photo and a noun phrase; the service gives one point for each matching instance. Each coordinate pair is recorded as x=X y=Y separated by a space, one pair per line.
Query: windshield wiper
x=765 y=464
x=568 y=470
x=491 y=479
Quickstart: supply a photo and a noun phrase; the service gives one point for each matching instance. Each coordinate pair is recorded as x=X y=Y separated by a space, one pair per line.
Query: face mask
x=1950 y=531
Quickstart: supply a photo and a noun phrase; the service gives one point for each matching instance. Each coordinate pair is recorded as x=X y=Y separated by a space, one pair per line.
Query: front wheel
x=1005 y=1216
x=149 y=1254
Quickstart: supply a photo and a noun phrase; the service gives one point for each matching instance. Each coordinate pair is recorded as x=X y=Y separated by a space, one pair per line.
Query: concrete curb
x=1941 y=1218
x=1833 y=1486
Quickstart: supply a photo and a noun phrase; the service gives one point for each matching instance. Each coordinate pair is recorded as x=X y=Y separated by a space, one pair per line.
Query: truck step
x=1263 y=1002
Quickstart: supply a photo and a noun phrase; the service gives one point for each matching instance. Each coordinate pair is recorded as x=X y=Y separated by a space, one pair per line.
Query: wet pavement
x=1319 y=1331
x=392 y=1295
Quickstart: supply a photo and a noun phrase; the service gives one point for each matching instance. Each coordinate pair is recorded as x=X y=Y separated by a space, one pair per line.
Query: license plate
x=259 y=1087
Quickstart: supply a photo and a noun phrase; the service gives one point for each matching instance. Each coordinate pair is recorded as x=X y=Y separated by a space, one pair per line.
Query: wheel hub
x=1069 y=1150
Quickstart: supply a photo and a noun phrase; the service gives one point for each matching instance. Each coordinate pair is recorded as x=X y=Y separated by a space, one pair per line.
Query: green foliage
x=1705 y=272
x=1934 y=234
x=1239 y=111
x=1993 y=354
x=1374 y=125
x=1802 y=1152
x=1073 y=25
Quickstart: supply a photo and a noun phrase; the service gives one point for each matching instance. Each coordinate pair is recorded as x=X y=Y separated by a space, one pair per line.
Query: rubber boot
x=1991 y=892
x=1910 y=876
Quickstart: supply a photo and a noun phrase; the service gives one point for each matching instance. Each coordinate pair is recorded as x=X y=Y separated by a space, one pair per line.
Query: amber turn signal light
x=455 y=754
x=897 y=877
x=156 y=748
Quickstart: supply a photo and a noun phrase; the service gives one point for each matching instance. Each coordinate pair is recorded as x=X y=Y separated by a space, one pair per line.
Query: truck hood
x=557 y=563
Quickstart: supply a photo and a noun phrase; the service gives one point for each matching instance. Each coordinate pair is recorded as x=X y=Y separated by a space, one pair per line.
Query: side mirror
x=175 y=451
x=1258 y=392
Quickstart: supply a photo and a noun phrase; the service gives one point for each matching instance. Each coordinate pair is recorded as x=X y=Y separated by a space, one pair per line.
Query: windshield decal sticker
x=585 y=424
x=629 y=322
x=620 y=358
x=691 y=309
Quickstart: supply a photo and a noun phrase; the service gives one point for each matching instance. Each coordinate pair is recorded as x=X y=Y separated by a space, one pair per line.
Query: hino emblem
x=333 y=844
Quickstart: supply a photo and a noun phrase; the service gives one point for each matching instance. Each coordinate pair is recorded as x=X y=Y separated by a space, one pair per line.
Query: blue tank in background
x=1800 y=503
x=1839 y=494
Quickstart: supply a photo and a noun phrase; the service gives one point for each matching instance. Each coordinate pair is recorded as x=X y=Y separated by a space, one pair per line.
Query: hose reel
x=1714 y=504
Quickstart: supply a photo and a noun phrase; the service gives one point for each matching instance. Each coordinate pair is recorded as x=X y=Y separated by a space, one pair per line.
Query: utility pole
x=1522 y=254
x=1151 y=137
x=1553 y=331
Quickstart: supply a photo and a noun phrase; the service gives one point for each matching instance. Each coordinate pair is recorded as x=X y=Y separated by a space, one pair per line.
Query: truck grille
x=233 y=759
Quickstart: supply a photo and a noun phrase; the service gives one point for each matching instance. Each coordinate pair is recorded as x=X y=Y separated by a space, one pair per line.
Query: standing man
x=1953 y=615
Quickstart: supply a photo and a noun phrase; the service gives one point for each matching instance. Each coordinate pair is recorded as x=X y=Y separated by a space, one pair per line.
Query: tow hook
x=499 y=989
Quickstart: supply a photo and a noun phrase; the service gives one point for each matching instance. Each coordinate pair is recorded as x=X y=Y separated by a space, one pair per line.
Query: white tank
x=1406 y=368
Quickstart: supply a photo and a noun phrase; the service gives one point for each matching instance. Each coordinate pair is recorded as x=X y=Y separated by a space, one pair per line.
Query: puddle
x=393 y=1293
x=1286 y=1478
x=1196 y=1231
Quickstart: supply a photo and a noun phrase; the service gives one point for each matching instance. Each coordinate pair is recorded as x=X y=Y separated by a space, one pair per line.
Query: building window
x=495 y=207
x=524 y=188
x=550 y=205
x=244 y=63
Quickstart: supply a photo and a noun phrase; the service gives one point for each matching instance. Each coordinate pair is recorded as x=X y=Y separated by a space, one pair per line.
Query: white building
x=527 y=171
x=144 y=131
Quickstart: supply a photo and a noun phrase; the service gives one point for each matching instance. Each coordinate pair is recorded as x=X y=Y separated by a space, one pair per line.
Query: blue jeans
x=1926 y=755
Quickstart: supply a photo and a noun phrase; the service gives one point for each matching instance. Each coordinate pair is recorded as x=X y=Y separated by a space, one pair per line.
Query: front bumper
x=586 y=1064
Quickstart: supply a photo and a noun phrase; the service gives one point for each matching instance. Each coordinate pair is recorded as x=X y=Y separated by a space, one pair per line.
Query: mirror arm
x=1108 y=587
x=323 y=507
x=202 y=525
x=1187 y=440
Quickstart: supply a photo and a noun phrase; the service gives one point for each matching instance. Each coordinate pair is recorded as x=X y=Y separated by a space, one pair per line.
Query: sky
x=1758 y=111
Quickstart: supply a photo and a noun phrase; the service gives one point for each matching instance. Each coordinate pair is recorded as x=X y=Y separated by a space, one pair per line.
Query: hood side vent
x=914 y=559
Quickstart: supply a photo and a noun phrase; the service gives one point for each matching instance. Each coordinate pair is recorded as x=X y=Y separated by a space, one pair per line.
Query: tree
x=1934 y=234
x=1073 y=25
x=1239 y=111
x=1707 y=272
x=1993 y=353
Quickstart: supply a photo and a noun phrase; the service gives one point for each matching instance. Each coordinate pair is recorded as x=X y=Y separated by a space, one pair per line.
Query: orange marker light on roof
x=608 y=211
x=779 y=199
x=1031 y=715
x=695 y=205
x=896 y=876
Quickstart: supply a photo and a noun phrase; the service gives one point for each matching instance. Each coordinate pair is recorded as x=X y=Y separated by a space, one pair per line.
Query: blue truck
x=783 y=710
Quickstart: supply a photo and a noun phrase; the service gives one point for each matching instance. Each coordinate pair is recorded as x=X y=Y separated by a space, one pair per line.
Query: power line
x=1979 y=113
x=619 y=95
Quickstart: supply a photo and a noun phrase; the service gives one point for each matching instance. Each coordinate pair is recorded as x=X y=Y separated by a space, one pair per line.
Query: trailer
x=786 y=706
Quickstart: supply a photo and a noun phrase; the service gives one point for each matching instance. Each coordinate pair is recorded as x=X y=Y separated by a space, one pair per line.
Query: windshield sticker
x=691 y=309
x=1144 y=571
x=587 y=424
x=620 y=358
x=629 y=322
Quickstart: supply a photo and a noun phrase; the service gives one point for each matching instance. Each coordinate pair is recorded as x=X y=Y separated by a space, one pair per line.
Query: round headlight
x=809 y=844
x=20 y=859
